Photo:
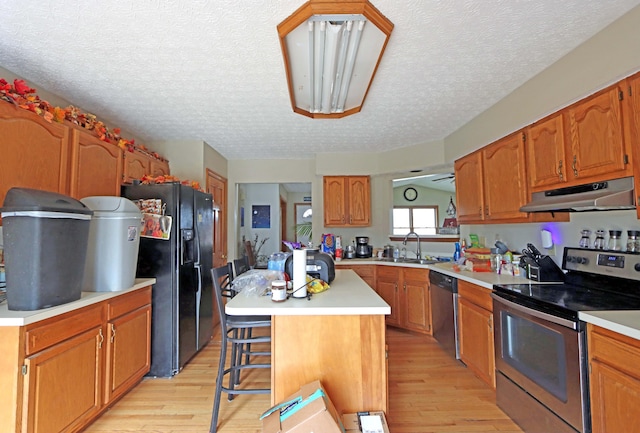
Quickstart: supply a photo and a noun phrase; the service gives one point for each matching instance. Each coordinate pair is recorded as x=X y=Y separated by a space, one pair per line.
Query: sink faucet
x=404 y=242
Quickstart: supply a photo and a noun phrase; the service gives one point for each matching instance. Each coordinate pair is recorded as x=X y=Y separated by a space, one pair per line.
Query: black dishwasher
x=444 y=311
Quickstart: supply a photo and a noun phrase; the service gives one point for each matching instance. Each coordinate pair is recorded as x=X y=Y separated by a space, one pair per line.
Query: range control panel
x=612 y=263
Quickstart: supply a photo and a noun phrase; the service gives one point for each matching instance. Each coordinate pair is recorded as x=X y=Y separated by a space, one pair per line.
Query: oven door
x=543 y=355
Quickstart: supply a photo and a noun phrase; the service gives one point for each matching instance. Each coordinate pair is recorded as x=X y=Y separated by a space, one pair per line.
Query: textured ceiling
x=212 y=70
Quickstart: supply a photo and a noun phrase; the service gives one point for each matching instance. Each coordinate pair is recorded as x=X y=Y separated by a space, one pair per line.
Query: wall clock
x=410 y=194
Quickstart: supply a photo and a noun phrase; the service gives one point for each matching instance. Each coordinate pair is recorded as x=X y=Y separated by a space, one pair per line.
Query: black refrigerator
x=180 y=258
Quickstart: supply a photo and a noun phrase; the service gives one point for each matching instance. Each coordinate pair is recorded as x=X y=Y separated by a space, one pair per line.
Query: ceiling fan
x=451 y=176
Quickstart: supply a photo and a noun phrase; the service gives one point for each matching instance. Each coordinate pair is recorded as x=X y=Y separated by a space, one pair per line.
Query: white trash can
x=114 y=239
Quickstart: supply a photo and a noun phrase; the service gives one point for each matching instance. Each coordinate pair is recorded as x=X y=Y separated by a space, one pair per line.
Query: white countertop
x=483 y=279
x=22 y=318
x=348 y=295
x=626 y=322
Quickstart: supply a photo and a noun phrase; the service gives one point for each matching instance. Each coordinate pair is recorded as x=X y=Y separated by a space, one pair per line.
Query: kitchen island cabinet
x=347 y=201
x=366 y=272
x=63 y=366
x=475 y=324
x=337 y=337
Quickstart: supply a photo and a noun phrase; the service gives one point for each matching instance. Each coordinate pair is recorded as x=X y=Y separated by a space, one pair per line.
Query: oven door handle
x=535 y=313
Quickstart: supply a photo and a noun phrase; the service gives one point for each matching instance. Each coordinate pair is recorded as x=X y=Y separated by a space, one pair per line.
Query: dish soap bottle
x=456 y=253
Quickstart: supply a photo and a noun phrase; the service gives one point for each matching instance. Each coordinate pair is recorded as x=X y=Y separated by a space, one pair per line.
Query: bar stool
x=241 y=265
x=235 y=330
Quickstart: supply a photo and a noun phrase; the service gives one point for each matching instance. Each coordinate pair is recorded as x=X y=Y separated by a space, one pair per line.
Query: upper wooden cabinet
x=546 y=153
x=585 y=142
x=96 y=166
x=35 y=153
x=491 y=184
x=469 y=190
x=138 y=164
x=633 y=108
x=347 y=201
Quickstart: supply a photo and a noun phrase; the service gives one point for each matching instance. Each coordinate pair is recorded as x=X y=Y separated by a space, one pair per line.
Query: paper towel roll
x=299 y=273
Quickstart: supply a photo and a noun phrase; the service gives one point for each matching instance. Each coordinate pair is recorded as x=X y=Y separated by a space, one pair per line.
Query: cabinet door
x=469 y=188
x=96 y=166
x=359 y=194
x=415 y=291
x=335 y=201
x=615 y=398
x=128 y=354
x=633 y=118
x=63 y=384
x=476 y=340
x=387 y=284
x=596 y=136
x=505 y=181
x=136 y=165
x=546 y=158
x=159 y=168
x=35 y=153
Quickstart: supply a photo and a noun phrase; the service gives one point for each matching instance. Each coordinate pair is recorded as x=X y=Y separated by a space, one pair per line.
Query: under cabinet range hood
x=607 y=195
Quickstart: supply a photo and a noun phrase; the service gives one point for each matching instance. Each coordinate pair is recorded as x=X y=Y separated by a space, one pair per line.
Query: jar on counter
x=633 y=241
x=615 y=240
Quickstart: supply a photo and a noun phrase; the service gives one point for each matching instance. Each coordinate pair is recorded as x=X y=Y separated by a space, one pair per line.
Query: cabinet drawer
x=388 y=272
x=414 y=274
x=63 y=327
x=614 y=349
x=129 y=302
x=475 y=294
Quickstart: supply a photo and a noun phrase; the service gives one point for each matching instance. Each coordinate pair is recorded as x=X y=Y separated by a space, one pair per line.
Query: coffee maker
x=363 y=249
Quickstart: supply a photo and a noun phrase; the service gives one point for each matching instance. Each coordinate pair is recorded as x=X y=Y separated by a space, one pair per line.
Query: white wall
x=261 y=194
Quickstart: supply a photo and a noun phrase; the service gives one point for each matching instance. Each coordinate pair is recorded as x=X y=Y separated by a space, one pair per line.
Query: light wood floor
x=428 y=393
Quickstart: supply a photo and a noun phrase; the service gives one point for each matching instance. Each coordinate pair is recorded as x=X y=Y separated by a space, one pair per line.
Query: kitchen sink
x=412 y=261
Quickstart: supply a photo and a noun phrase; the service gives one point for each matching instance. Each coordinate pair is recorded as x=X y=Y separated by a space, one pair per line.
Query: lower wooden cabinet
x=406 y=290
x=366 y=272
x=129 y=339
x=614 y=365
x=475 y=323
x=73 y=366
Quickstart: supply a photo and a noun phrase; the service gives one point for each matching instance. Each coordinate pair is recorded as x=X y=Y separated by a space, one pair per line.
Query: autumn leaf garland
x=25 y=97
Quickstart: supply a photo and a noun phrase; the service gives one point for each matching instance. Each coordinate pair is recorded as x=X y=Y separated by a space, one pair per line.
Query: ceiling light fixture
x=331 y=53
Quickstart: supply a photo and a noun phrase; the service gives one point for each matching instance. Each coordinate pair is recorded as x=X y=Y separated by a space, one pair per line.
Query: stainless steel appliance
x=363 y=249
x=182 y=300
x=444 y=311
x=540 y=344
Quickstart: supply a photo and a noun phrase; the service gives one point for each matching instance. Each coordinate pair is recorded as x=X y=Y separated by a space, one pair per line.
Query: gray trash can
x=114 y=239
x=45 y=239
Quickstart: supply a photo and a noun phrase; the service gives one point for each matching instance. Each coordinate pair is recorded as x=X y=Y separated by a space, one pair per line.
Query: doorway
x=217 y=187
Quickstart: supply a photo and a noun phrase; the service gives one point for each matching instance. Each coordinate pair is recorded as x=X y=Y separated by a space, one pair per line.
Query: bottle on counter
x=463 y=247
x=456 y=252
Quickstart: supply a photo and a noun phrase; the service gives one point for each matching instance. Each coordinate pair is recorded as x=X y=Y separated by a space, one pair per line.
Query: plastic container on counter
x=45 y=237
x=114 y=240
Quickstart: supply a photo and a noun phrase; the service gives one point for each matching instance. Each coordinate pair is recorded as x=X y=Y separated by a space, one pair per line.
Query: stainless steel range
x=541 y=360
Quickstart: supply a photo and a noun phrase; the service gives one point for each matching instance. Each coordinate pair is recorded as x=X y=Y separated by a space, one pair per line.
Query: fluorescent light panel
x=331 y=60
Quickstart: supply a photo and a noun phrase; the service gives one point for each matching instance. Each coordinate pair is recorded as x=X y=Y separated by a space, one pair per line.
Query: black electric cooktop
x=591 y=284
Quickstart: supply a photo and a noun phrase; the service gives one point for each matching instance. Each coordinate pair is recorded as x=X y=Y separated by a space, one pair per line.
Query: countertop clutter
x=623 y=322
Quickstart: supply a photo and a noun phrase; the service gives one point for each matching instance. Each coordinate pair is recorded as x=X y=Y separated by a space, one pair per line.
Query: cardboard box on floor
x=308 y=410
x=352 y=422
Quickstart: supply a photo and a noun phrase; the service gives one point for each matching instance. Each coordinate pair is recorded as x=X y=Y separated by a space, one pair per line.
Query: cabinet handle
x=560 y=169
x=573 y=166
x=405 y=286
x=101 y=339
x=113 y=332
x=342 y=219
x=396 y=287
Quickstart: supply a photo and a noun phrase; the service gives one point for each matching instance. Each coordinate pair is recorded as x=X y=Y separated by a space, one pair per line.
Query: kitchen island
x=337 y=337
